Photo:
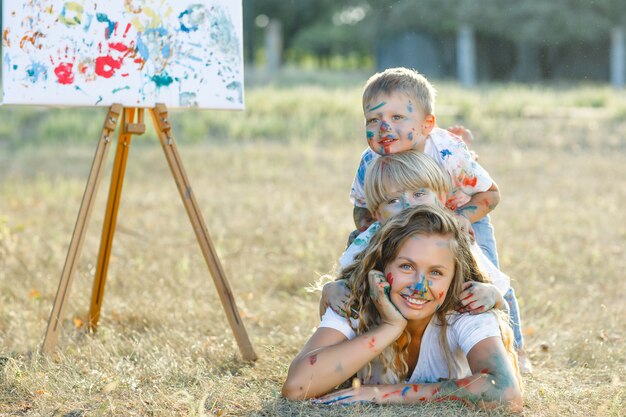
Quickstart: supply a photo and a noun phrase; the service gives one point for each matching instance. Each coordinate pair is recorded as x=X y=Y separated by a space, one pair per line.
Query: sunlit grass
x=279 y=215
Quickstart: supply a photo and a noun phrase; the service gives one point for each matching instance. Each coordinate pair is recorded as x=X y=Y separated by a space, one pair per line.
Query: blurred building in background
x=468 y=40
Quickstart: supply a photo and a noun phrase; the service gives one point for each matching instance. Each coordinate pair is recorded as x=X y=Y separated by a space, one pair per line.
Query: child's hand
x=379 y=293
x=335 y=295
x=465 y=224
x=466 y=136
x=462 y=132
x=478 y=297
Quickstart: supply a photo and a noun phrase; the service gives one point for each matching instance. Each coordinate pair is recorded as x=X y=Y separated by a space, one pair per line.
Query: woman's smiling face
x=420 y=275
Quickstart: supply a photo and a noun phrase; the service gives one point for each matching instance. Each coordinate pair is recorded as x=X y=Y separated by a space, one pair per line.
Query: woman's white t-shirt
x=464 y=332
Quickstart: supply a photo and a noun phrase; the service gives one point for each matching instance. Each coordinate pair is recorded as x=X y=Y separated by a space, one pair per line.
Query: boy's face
x=394 y=123
x=398 y=200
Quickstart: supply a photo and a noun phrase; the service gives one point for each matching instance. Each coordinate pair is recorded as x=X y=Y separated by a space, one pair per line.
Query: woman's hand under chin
x=379 y=293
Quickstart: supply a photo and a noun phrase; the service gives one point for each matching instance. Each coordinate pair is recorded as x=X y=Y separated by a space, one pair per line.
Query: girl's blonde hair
x=401 y=80
x=382 y=250
x=409 y=170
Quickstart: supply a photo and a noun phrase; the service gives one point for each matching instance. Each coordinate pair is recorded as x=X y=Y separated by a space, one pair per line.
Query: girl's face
x=420 y=275
x=400 y=199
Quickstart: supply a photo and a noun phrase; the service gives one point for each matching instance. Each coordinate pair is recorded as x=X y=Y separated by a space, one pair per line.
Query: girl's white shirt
x=464 y=331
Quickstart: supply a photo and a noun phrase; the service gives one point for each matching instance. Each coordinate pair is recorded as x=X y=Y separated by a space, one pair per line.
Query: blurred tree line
x=354 y=31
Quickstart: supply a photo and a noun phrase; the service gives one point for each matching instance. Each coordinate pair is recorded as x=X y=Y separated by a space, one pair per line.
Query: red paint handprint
x=64 y=70
x=117 y=50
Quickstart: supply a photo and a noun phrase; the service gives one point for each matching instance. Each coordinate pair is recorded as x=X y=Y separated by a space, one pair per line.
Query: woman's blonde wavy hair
x=382 y=250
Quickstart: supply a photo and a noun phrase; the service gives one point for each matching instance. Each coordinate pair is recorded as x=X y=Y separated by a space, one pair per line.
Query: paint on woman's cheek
x=390 y=278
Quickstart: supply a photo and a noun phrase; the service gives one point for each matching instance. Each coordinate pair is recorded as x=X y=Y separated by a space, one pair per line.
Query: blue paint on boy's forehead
x=410 y=107
x=376 y=107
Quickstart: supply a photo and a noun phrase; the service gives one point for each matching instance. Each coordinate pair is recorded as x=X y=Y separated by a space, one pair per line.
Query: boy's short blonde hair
x=403 y=80
x=409 y=170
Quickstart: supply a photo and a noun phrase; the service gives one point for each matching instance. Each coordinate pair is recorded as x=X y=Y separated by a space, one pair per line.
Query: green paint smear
x=162 y=80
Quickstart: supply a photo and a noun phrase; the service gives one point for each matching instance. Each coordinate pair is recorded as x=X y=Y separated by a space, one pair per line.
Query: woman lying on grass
x=408 y=344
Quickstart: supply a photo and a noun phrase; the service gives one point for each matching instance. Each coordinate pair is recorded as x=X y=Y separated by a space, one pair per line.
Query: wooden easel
x=129 y=127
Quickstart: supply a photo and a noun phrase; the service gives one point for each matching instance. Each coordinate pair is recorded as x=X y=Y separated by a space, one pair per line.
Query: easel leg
x=110 y=218
x=78 y=236
x=160 y=118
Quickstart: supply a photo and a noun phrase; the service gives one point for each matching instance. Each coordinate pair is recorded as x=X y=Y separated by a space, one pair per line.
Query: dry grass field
x=279 y=215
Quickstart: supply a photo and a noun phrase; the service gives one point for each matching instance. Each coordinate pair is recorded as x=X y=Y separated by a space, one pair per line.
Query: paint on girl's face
x=410 y=135
x=390 y=278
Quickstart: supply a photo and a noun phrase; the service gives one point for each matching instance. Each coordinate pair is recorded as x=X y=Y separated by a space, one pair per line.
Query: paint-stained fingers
x=379 y=286
x=340 y=307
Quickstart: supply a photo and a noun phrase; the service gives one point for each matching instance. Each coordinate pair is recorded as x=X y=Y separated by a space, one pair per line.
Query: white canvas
x=184 y=53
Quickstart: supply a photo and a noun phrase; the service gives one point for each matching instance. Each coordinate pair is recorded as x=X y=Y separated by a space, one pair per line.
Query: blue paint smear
x=88 y=23
x=405 y=390
x=7 y=61
x=236 y=85
x=142 y=48
x=36 y=72
x=445 y=153
x=162 y=80
x=117 y=90
x=103 y=18
x=166 y=51
x=161 y=31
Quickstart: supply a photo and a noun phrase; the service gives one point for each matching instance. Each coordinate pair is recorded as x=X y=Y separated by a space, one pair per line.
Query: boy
x=398 y=105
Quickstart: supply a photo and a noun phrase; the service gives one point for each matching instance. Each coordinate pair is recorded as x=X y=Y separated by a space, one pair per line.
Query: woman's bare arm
x=492 y=384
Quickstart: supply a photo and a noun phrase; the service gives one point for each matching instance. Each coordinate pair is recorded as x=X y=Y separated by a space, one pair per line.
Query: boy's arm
x=362 y=218
x=480 y=204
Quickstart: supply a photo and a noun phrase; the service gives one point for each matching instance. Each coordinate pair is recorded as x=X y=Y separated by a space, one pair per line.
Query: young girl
x=407 y=336
x=402 y=180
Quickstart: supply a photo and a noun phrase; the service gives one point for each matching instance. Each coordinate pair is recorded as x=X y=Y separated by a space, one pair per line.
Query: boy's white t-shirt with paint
x=463 y=333
x=466 y=175
x=497 y=277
